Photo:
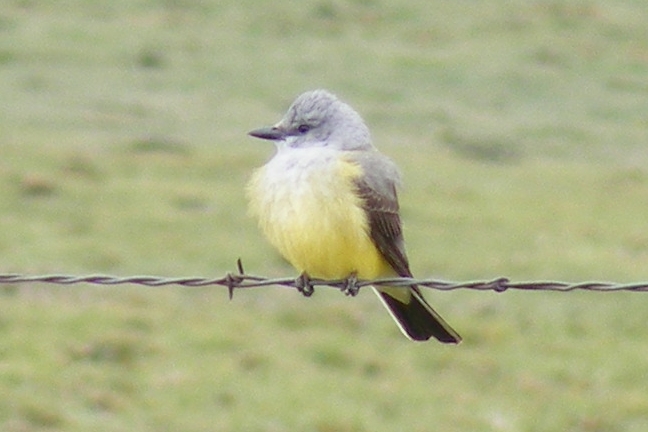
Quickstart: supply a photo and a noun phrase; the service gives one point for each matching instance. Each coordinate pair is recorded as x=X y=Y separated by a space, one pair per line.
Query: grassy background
x=522 y=132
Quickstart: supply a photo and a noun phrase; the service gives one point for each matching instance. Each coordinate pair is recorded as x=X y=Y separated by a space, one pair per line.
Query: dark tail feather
x=417 y=319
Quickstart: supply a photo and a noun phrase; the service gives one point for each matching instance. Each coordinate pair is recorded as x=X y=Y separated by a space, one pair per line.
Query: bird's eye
x=303 y=128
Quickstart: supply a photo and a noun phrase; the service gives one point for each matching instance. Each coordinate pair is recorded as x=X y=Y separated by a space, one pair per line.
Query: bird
x=327 y=201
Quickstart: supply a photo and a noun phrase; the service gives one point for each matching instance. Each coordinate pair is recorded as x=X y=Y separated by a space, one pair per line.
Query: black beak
x=269 y=133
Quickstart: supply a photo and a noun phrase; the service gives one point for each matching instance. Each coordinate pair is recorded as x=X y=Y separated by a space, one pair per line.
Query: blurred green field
x=521 y=129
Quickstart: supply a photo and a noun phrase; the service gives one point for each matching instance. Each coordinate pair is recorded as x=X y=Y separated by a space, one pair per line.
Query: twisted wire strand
x=306 y=285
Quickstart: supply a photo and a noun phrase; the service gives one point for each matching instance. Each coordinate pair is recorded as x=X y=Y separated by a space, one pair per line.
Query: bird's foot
x=351 y=287
x=304 y=285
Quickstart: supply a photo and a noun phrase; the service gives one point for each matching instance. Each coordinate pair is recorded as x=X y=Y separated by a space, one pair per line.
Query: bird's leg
x=304 y=285
x=351 y=287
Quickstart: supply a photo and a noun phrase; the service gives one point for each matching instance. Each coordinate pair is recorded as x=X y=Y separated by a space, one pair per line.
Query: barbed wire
x=306 y=285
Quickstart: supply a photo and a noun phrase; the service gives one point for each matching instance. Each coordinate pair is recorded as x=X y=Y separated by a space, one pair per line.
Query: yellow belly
x=307 y=207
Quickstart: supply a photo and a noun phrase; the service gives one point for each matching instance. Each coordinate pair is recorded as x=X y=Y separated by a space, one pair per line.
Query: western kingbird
x=327 y=201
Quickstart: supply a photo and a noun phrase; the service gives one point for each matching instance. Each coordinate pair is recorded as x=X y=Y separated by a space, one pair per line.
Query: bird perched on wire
x=327 y=201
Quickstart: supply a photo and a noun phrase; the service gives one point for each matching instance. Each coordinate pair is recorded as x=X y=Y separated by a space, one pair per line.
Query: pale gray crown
x=318 y=118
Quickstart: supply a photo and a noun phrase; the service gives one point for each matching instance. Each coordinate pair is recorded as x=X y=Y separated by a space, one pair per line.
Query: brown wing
x=377 y=188
x=380 y=202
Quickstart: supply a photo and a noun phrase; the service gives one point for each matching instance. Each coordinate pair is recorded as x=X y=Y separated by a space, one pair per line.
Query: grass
x=521 y=132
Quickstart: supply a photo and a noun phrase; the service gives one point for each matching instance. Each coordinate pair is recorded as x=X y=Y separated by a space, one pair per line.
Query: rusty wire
x=306 y=285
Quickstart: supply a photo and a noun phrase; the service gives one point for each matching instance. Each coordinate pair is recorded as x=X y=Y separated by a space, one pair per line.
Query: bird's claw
x=351 y=287
x=304 y=285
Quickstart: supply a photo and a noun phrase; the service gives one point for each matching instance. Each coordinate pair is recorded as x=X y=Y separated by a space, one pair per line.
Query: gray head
x=318 y=119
